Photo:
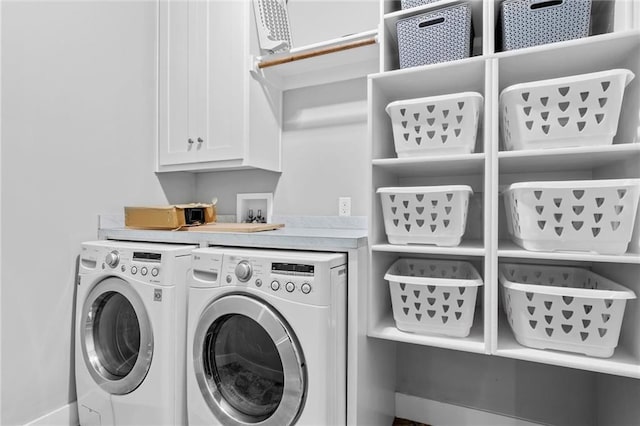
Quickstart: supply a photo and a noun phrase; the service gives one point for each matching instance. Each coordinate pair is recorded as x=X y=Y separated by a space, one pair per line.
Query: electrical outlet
x=344 y=206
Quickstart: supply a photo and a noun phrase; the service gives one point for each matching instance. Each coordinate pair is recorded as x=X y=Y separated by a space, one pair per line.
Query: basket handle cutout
x=431 y=23
x=545 y=4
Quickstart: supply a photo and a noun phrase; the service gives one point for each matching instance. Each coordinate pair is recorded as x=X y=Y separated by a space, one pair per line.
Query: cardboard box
x=169 y=217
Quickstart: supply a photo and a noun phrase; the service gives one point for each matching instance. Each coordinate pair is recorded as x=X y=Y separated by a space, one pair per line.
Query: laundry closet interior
x=147 y=103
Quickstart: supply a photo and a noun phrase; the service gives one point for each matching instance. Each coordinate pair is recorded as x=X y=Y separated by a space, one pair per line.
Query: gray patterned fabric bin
x=526 y=23
x=408 y=4
x=437 y=36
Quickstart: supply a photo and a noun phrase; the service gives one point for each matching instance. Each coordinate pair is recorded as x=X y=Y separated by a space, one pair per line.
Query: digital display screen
x=292 y=268
x=147 y=257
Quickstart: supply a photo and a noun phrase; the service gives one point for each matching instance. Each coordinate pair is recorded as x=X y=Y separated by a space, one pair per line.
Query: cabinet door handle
x=190 y=141
x=200 y=140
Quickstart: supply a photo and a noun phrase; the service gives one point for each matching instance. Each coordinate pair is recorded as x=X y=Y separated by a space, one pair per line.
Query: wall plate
x=260 y=205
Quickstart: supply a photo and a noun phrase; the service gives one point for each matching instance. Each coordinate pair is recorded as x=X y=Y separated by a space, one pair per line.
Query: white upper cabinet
x=212 y=115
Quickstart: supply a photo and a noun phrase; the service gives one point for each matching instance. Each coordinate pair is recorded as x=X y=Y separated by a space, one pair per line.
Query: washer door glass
x=116 y=333
x=116 y=336
x=248 y=364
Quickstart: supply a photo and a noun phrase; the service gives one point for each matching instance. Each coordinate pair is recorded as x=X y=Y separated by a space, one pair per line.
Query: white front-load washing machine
x=131 y=332
x=266 y=337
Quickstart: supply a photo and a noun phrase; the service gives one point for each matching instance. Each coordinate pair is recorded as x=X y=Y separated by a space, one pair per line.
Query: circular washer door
x=116 y=335
x=248 y=364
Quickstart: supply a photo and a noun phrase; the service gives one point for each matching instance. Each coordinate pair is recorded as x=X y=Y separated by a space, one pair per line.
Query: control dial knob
x=112 y=259
x=243 y=271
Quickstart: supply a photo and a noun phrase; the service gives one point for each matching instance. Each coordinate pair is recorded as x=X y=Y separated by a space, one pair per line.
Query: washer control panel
x=146 y=266
x=149 y=263
x=142 y=264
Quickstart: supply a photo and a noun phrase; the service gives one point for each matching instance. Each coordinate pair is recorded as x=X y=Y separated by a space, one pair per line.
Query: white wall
x=78 y=132
x=536 y=392
x=540 y=393
x=314 y=21
x=324 y=143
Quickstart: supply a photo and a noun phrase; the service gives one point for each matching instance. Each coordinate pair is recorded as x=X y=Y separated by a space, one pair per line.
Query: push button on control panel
x=155 y=272
x=275 y=285
x=306 y=288
x=258 y=282
x=290 y=286
x=134 y=270
x=144 y=271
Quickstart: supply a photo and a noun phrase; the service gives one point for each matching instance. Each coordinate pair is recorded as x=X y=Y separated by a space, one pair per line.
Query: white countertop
x=306 y=233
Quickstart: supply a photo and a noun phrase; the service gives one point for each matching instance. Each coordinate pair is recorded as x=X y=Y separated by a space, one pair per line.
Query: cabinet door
x=202 y=81
x=225 y=74
x=176 y=142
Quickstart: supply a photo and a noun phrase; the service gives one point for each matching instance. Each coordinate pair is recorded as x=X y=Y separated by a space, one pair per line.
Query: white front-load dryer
x=130 y=333
x=266 y=338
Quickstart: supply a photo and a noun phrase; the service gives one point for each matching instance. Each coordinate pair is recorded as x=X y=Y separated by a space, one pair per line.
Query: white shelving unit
x=620 y=160
x=467 y=169
x=490 y=168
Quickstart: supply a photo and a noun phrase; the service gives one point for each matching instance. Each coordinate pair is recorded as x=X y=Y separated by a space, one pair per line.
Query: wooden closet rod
x=317 y=52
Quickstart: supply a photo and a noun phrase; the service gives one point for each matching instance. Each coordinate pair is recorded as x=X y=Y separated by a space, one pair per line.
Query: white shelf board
x=598 y=44
x=572 y=57
x=579 y=158
x=466 y=164
x=443 y=78
x=622 y=363
x=322 y=69
x=386 y=329
x=507 y=248
x=466 y=248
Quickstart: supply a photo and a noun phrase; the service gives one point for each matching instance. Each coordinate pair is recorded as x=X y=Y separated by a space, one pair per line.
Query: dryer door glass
x=248 y=363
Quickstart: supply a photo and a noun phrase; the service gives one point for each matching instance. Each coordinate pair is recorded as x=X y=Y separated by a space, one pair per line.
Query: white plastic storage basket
x=437 y=36
x=580 y=110
x=563 y=308
x=445 y=124
x=591 y=215
x=526 y=23
x=433 y=296
x=425 y=214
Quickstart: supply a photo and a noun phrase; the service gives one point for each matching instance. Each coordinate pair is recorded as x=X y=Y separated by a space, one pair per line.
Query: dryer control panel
x=307 y=277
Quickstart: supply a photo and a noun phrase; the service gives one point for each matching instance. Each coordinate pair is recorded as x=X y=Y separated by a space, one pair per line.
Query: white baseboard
x=442 y=414
x=66 y=415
